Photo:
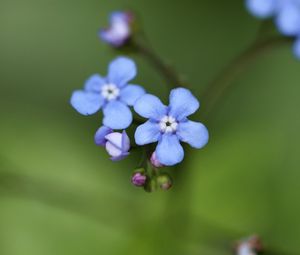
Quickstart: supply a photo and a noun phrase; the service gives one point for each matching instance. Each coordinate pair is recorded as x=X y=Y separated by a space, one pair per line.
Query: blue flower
x=112 y=93
x=288 y=17
x=262 y=8
x=119 y=31
x=116 y=144
x=285 y=12
x=168 y=125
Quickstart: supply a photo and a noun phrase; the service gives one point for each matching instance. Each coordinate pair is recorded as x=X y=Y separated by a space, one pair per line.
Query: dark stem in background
x=223 y=82
x=211 y=97
x=171 y=76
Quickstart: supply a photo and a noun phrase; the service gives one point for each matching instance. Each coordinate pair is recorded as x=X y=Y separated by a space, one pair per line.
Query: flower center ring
x=110 y=92
x=168 y=124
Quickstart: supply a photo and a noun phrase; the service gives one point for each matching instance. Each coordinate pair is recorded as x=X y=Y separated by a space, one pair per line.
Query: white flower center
x=110 y=91
x=168 y=124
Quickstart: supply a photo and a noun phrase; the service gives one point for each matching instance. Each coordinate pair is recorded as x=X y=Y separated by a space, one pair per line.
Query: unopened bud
x=138 y=179
x=249 y=246
x=164 y=181
x=117 y=145
x=120 y=29
x=154 y=161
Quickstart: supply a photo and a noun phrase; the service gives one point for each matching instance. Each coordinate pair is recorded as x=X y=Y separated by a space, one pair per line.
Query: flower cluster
x=286 y=14
x=116 y=96
x=167 y=125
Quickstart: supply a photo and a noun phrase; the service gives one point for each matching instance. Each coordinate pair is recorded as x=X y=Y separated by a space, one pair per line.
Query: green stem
x=137 y=121
x=223 y=82
x=171 y=77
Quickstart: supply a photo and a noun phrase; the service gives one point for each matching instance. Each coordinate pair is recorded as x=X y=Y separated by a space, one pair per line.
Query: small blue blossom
x=111 y=93
x=285 y=12
x=168 y=125
x=119 y=31
x=116 y=144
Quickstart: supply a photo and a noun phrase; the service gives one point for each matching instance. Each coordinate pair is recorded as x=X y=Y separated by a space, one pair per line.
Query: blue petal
x=169 y=151
x=131 y=93
x=94 y=83
x=296 y=48
x=117 y=115
x=182 y=103
x=262 y=8
x=121 y=70
x=148 y=132
x=288 y=20
x=100 y=135
x=86 y=103
x=193 y=133
x=149 y=106
x=118 y=16
x=123 y=155
x=109 y=37
x=125 y=142
x=117 y=145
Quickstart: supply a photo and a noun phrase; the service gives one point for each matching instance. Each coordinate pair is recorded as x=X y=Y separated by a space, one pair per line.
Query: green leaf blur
x=59 y=193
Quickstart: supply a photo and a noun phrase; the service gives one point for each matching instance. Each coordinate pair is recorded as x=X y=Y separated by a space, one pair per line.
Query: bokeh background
x=59 y=193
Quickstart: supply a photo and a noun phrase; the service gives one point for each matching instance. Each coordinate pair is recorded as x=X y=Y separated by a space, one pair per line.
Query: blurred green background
x=59 y=193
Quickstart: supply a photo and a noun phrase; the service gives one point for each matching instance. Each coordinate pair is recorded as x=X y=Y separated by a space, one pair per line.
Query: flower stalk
x=171 y=76
x=224 y=80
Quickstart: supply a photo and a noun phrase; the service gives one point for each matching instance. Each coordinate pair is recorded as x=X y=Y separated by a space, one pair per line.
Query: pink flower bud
x=138 y=179
x=154 y=161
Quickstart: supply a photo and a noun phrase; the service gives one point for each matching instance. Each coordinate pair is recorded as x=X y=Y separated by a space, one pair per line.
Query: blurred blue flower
x=288 y=17
x=297 y=47
x=169 y=125
x=262 y=8
x=119 y=31
x=116 y=144
x=285 y=12
x=112 y=93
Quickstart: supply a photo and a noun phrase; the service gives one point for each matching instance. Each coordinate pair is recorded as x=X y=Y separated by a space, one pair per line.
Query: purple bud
x=117 y=145
x=164 y=181
x=154 y=161
x=138 y=179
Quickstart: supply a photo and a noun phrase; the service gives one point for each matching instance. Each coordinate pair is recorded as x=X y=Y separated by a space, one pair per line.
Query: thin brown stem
x=172 y=78
x=223 y=82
